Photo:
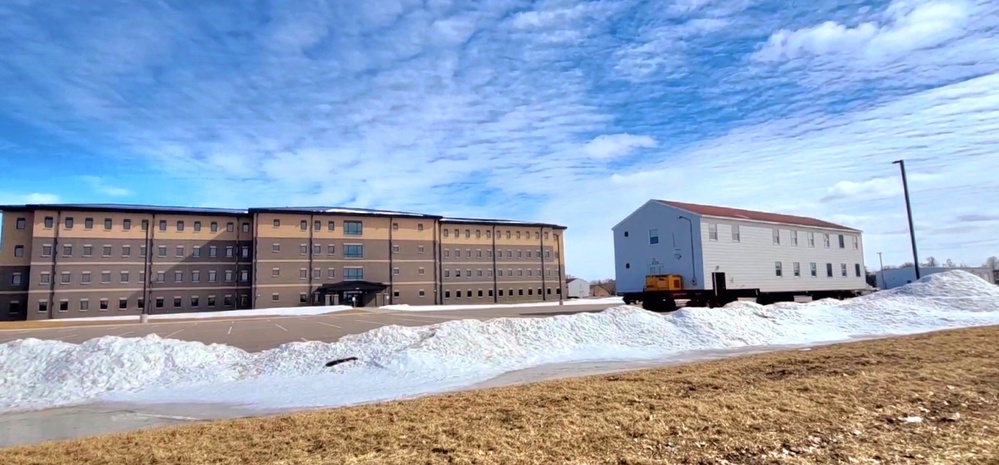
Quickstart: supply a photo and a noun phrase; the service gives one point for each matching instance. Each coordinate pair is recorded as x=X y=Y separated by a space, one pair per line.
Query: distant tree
x=950 y=263
x=992 y=262
x=931 y=262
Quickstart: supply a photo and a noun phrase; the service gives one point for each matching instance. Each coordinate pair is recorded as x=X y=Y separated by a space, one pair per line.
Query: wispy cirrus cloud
x=566 y=111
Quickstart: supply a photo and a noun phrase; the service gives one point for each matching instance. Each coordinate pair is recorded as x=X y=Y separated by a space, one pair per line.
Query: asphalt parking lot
x=261 y=333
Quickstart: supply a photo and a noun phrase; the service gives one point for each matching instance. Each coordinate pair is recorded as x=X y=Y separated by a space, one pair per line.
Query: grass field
x=931 y=398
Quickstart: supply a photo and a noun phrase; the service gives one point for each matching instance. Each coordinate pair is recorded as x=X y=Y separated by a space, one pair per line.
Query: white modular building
x=774 y=253
x=577 y=288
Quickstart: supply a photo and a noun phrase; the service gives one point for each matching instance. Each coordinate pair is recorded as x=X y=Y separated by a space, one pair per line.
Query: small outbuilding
x=577 y=288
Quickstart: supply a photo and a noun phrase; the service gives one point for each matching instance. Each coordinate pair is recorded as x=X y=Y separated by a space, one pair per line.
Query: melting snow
x=396 y=362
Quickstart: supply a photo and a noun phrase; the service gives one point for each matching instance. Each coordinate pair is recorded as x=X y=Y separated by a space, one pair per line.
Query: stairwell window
x=653 y=236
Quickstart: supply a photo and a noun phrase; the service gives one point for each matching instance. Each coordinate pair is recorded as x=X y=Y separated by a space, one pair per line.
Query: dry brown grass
x=834 y=404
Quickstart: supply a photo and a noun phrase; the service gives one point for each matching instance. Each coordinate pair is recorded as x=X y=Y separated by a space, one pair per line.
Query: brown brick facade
x=73 y=261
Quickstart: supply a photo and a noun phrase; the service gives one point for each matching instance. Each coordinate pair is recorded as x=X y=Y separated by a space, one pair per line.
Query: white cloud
x=617 y=145
x=9 y=198
x=904 y=27
x=101 y=186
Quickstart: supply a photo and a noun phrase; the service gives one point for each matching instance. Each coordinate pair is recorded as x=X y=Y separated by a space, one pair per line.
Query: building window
x=317 y=249
x=303 y=249
x=317 y=225
x=303 y=298
x=419 y=227
x=43 y=306
x=67 y=277
x=814 y=269
x=779 y=268
x=421 y=249
x=178 y=276
x=195 y=276
x=797 y=269
x=106 y=251
x=353 y=228
x=276 y=223
x=303 y=225
x=275 y=272
x=794 y=237
x=214 y=227
x=126 y=251
x=856 y=269
x=829 y=272
x=395 y=271
x=246 y=227
x=18 y=250
x=15 y=279
x=107 y=223
x=246 y=251
x=177 y=302
x=69 y=222
x=145 y=225
x=330 y=249
x=163 y=225
x=162 y=251
x=122 y=304
x=736 y=233
x=211 y=301
x=353 y=274
x=856 y=242
x=67 y=250
x=825 y=238
x=653 y=236
x=197 y=226
x=244 y=275
x=811 y=239
x=195 y=301
x=330 y=225
x=712 y=232
x=353 y=251
x=179 y=251
x=230 y=251
x=124 y=277
x=213 y=276
x=842 y=241
x=842 y=269
x=303 y=273
x=445 y=233
x=777 y=236
x=213 y=251
x=84 y=305
x=395 y=248
x=159 y=302
x=422 y=270
x=104 y=305
x=22 y=223
x=49 y=222
x=230 y=226
x=161 y=276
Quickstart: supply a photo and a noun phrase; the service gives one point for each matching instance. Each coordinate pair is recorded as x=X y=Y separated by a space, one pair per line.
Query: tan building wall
x=73 y=263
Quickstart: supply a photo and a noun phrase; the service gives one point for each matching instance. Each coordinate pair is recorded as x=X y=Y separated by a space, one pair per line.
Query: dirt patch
x=931 y=398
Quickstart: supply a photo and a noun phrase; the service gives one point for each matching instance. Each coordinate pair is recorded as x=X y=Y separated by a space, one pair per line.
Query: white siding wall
x=635 y=257
x=750 y=263
x=578 y=288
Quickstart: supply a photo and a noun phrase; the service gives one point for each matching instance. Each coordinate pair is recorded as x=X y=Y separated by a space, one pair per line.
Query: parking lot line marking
x=230 y=329
x=379 y=323
x=327 y=324
x=171 y=334
x=305 y=340
x=126 y=333
x=282 y=327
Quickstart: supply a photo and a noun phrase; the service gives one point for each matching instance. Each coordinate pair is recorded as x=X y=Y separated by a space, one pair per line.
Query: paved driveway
x=260 y=333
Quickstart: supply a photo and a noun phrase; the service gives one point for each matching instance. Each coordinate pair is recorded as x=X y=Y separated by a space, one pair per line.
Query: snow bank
x=282 y=311
x=396 y=362
x=435 y=308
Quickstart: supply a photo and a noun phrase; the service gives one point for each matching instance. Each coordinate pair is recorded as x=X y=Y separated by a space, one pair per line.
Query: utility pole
x=881 y=262
x=908 y=211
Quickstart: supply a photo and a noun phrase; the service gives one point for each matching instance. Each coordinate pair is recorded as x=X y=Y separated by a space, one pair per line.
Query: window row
x=500 y=292
x=126 y=251
x=350 y=227
x=126 y=224
x=499 y=273
x=66 y=277
x=349 y=272
x=813 y=269
x=489 y=234
x=122 y=303
x=499 y=253
x=349 y=250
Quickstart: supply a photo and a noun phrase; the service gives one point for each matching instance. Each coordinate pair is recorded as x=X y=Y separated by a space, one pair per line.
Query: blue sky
x=565 y=111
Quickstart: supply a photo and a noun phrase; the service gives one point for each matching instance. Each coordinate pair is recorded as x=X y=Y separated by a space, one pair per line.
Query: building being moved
x=713 y=253
x=66 y=261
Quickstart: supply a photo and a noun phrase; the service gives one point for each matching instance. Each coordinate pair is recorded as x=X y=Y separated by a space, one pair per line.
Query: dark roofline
x=497 y=222
x=125 y=208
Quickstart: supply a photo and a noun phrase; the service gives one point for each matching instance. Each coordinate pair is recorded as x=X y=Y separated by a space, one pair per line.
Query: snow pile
x=438 y=308
x=397 y=361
